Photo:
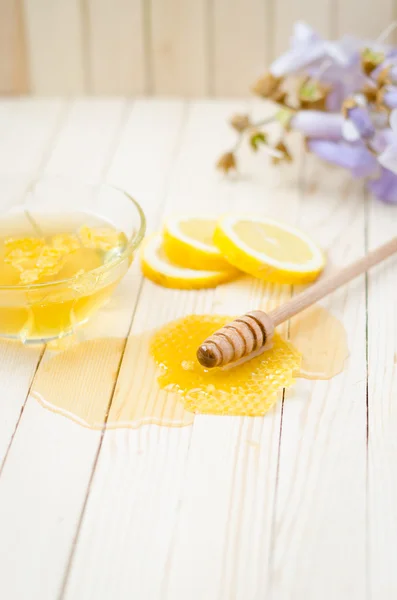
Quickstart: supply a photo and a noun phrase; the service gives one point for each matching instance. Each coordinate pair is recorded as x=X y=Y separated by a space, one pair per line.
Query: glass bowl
x=36 y=312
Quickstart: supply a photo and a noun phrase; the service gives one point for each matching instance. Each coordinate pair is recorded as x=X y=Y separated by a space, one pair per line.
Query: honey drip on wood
x=84 y=381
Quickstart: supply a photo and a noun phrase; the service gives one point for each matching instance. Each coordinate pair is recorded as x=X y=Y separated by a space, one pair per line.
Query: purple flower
x=358 y=124
x=389 y=96
x=318 y=124
x=352 y=156
x=385 y=186
x=344 y=77
x=381 y=140
x=308 y=49
x=388 y=158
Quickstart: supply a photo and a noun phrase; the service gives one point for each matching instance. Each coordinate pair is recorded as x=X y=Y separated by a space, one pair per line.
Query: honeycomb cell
x=249 y=389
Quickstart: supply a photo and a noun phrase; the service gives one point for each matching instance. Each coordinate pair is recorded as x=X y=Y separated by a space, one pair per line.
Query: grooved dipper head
x=208 y=355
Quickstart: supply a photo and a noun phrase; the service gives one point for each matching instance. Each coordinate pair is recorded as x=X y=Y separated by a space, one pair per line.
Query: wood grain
x=116 y=44
x=14 y=78
x=321 y=482
x=360 y=18
x=39 y=122
x=292 y=505
x=241 y=43
x=60 y=510
x=179 y=47
x=382 y=415
x=180 y=467
x=55 y=46
x=171 y=47
x=319 y=15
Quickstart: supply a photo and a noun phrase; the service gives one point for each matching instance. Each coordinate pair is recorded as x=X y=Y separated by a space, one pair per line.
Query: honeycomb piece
x=249 y=389
x=37 y=259
x=101 y=238
x=22 y=247
x=65 y=242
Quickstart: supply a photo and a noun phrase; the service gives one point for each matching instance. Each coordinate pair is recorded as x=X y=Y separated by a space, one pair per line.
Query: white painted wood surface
x=163 y=47
x=300 y=504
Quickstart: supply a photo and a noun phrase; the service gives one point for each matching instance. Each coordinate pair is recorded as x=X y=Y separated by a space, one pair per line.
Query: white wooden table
x=300 y=504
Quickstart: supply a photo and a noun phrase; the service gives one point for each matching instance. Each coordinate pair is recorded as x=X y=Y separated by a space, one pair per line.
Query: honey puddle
x=321 y=340
x=79 y=381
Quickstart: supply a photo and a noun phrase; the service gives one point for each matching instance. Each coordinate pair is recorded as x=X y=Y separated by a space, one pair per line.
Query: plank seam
x=147 y=46
x=272 y=538
x=46 y=155
x=210 y=47
x=69 y=565
x=22 y=410
x=367 y=482
x=85 y=42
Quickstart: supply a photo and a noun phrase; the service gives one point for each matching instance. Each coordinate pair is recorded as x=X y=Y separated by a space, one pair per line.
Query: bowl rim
x=133 y=242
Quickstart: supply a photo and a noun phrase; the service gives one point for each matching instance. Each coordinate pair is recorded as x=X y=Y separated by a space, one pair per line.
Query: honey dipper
x=252 y=334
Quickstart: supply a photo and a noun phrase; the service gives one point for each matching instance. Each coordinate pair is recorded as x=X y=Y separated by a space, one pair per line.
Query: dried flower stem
x=252 y=127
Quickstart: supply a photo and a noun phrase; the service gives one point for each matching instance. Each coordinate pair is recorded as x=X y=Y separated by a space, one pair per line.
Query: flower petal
x=297 y=59
x=388 y=158
x=385 y=186
x=350 y=131
x=389 y=96
x=360 y=118
x=313 y=123
x=382 y=139
x=355 y=157
x=303 y=34
x=393 y=121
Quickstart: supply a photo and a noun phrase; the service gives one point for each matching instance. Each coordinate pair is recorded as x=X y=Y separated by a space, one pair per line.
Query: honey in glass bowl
x=63 y=250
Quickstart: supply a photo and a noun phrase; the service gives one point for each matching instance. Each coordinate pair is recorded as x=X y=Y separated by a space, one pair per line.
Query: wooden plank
x=28 y=128
x=361 y=18
x=319 y=15
x=38 y=122
x=382 y=407
x=228 y=498
x=241 y=44
x=173 y=486
x=45 y=526
x=318 y=546
x=116 y=40
x=50 y=143
x=55 y=45
x=179 y=47
x=13 y=61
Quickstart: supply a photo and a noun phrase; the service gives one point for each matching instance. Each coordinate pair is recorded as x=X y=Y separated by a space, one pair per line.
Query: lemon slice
x=157 y=267
x=269 y=250
x=188 y=242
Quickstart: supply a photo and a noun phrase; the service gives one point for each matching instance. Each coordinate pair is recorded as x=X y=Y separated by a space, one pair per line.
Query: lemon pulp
x=268 y=250
x=188 y=241
x=281 y=245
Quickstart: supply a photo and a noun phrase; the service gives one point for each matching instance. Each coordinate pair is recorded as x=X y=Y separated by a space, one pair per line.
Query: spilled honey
x=247 y=389
x=79 y=381
x=317 y=350
x=50 y=272
x=321 y=340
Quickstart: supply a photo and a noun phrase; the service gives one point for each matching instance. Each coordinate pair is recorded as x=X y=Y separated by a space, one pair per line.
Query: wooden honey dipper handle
x=252 y=333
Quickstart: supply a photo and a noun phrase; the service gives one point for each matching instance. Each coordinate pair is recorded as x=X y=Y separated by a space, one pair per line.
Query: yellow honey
x=49 y=282
x=248 y=389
